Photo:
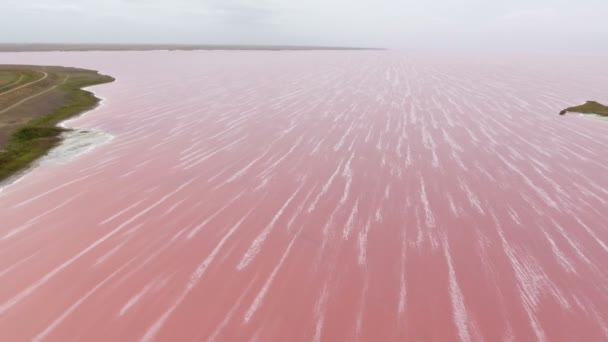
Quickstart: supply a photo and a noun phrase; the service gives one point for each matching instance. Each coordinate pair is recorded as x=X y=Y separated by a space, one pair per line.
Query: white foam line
x=245 y=169
x=402 y=280
x=111 y=252
x=361 y=311
x=473 y=200
x=593 y=235
x=173 y=207
x=280 y=160
x=257 y=302
x=350 y=223
x=300 y=208
x=20 y=204
x=325 y=187
x=30 y=289
x=230 y=313
x=363 y=243
x=42 y=335
x=320 y=314
x=136 y=298
x=428 y=213
x=259 y=240
x=529 y=282
x=459 y=310
x=562 y=260
x=191 y=284
x=348 y=173
x=15 y=265
x=196 y=229
x=30 y=223
x=110 y=219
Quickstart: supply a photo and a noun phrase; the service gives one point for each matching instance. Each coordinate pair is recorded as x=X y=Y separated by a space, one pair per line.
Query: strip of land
x=591 y=107
x=33 y=101
x=151 y=47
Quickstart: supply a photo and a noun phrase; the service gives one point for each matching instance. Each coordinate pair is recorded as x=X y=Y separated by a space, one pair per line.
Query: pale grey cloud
x=405 y=23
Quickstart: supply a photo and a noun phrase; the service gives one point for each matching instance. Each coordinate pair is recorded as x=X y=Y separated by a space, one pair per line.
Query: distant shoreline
x=590 y=107
x=173 y=47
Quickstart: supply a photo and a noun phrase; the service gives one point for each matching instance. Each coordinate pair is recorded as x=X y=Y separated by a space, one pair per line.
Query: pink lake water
x=317 y=196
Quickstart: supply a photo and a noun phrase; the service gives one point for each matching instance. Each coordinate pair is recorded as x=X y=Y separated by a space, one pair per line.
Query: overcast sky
x=542 y=24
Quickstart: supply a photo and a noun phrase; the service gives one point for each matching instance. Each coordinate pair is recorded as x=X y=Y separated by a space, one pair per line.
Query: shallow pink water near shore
x=324 y=196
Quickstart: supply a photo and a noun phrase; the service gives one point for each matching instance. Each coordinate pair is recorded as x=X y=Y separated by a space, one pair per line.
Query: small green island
x=33 y=101
x=591 y=107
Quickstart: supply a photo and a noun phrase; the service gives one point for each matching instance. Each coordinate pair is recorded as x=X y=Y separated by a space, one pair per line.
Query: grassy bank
x=34 y=138
x=591 y=107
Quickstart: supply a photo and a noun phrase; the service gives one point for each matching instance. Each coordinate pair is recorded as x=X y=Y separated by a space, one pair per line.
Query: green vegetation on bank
x=591 y=107
x=60 y=98
x=11 y=79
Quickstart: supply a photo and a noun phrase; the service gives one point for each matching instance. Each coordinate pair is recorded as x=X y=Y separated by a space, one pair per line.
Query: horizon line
x=48 y=47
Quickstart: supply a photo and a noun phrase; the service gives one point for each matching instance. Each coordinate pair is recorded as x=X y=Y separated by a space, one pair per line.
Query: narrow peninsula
x=33 y=101
x=591 y=107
